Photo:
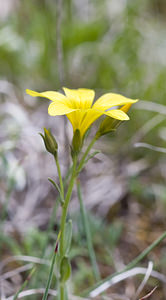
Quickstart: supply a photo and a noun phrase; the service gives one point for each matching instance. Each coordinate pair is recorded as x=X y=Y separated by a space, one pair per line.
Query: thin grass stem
x=24 y=284
x=132 y=264
x=51 y=270
x=85 y=221
x=49 y=277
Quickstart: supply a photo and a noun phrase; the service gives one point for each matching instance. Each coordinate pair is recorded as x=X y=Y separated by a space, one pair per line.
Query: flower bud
x=50 y=142
x=109 y=124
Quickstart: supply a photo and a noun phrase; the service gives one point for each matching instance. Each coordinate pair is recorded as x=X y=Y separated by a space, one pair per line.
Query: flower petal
x=109 y=100
x=51 y=95
x=91 y=116
x=58 y=109
x=117 y=114
x=80 y=98
x=126 y=107
x=86 y=98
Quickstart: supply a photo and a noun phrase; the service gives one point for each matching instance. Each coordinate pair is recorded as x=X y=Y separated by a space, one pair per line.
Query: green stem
x=65 y=206
x=63 y=220
x=53 y=215
x=132 y=264
x=92 y=255
x=81 y=164
x=62 y=291
x=54 y=255
x=60 y=176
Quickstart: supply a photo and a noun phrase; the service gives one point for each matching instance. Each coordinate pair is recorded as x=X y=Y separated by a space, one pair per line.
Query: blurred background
x=109 y=46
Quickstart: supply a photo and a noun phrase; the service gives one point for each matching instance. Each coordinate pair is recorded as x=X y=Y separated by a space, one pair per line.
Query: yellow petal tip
x=31 y=93
x=124 y=118
x=27 y=91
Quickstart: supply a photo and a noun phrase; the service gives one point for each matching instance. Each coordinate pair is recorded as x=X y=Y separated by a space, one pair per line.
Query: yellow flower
x=78 y=106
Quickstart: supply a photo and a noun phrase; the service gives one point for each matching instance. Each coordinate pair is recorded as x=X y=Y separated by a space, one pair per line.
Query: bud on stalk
x=109 y=124
x=50 y=142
